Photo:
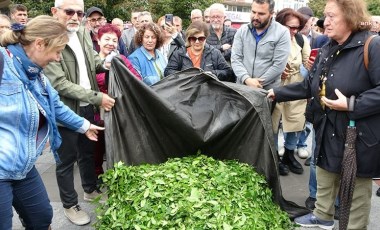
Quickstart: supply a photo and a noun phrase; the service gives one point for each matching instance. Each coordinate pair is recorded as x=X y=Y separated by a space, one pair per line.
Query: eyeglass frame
x=79 y=13
x=195 y=39
x=99 y=20
x=293 y=27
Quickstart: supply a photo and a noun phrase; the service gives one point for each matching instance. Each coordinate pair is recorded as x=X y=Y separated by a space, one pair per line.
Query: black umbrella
x=348 y=175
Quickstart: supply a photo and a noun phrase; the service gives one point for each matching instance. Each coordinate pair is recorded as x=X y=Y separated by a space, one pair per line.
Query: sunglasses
x=194 y=39
x=293 y=27
x=71 y=12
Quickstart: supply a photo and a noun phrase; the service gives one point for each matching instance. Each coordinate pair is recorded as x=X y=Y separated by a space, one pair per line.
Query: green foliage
x=373 y=7
x=195 y=192
x=318 y=6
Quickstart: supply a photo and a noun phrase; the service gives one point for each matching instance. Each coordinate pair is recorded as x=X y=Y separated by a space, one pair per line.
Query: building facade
x=239 y=11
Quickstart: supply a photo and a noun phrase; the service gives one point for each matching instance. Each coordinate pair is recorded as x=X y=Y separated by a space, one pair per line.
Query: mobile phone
x=313 y=53
x=169 y=19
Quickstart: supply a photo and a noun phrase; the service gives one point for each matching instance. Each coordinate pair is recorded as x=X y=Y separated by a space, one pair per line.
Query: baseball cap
x=306 y=12
x=94 y=9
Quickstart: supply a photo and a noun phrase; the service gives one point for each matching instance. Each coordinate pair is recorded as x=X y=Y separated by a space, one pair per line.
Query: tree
x=373 y=7
x=318 y=6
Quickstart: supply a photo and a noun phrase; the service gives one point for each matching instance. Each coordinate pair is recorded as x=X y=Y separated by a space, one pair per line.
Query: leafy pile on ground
x=194 y=192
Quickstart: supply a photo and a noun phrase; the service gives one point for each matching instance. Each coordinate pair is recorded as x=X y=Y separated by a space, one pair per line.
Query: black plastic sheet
x=187 y=112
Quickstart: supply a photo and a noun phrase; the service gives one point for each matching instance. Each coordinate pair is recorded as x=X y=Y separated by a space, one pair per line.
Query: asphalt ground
x=294 y=187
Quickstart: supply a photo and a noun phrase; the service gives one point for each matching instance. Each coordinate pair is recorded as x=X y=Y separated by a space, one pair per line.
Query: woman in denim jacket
x=149 y=62
x=30 y=108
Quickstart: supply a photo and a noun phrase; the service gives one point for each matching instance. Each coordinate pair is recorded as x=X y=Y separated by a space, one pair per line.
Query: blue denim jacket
x=147 y=66
x=20 y=139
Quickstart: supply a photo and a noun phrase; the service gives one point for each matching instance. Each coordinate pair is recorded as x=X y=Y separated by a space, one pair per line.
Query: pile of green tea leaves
x=194 y=192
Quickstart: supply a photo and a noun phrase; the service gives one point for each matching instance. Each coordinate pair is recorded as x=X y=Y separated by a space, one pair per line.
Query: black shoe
x=307 y=162
x=336 y=214
x=283 y=170
x=310 y=203
x=378 y=192
x=289 y=160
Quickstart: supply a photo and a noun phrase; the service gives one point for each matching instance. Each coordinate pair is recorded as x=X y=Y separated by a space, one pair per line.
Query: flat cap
x=93 y=9
x=306 y=12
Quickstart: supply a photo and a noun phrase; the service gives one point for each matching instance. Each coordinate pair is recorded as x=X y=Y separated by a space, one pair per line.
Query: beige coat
x=292 y=112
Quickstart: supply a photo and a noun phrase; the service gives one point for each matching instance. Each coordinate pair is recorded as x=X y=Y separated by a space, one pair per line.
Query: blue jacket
x=144 y=63
x=21 y=140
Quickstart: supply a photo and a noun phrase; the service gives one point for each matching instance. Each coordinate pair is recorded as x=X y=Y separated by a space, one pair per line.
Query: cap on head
x=93 y=9
x=306 y=12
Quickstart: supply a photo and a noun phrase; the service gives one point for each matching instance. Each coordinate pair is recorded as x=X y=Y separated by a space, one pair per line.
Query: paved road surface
x=294 y=188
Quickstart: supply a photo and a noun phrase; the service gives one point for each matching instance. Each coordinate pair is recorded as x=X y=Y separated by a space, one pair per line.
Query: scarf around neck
x=29 y=72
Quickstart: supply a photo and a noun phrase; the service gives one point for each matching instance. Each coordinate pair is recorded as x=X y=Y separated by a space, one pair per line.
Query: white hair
x=219 y=7
x=59 y=3
x=196 y=11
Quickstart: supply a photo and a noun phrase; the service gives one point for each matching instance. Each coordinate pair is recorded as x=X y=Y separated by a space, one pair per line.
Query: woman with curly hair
x=149 y=62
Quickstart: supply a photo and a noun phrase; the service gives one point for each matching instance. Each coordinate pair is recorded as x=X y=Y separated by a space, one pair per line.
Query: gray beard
x=72 y=30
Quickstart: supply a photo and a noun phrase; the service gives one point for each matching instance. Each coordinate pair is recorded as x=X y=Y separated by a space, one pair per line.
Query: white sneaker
x=76 y=215
x=281 y=151
x=92 y=196
x=302 y=153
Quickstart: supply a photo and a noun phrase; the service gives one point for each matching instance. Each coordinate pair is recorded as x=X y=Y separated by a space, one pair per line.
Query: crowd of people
x=57 y=70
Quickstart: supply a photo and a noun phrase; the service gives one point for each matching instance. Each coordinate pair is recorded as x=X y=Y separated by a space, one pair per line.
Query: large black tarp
x=187 y=112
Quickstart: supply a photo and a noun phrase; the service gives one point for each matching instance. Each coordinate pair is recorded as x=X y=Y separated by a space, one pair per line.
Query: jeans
x=30 y=199
x=78 y=148
x=304 y=135
x=291 y=140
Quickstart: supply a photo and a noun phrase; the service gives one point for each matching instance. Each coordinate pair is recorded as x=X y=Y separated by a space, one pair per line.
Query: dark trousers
x=78 y=148
x=30 y=199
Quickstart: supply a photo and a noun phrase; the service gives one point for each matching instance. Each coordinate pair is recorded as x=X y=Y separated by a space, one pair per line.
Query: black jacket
x=349 y=75
x=212 y=60
x=226 y=38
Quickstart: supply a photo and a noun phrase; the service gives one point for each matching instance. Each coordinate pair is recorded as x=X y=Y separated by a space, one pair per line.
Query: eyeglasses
x=199 y=39
x=293 y=27
x=71 y=12
x=217 y=17
x=94 y=20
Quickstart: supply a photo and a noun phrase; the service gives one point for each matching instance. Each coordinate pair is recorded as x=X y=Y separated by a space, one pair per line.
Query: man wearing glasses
x=74 y=79
x=95 y=19
x=221 y=37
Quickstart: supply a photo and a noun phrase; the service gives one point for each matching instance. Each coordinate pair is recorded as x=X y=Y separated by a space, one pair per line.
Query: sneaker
x=95 y=194
x=76 y=215
x=302 y=152
x=378 y=192
x=310 y=203
x=281 y=151
x=310 y=220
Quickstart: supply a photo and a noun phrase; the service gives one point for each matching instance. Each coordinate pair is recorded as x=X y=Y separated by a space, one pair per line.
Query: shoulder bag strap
x=366 y=46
